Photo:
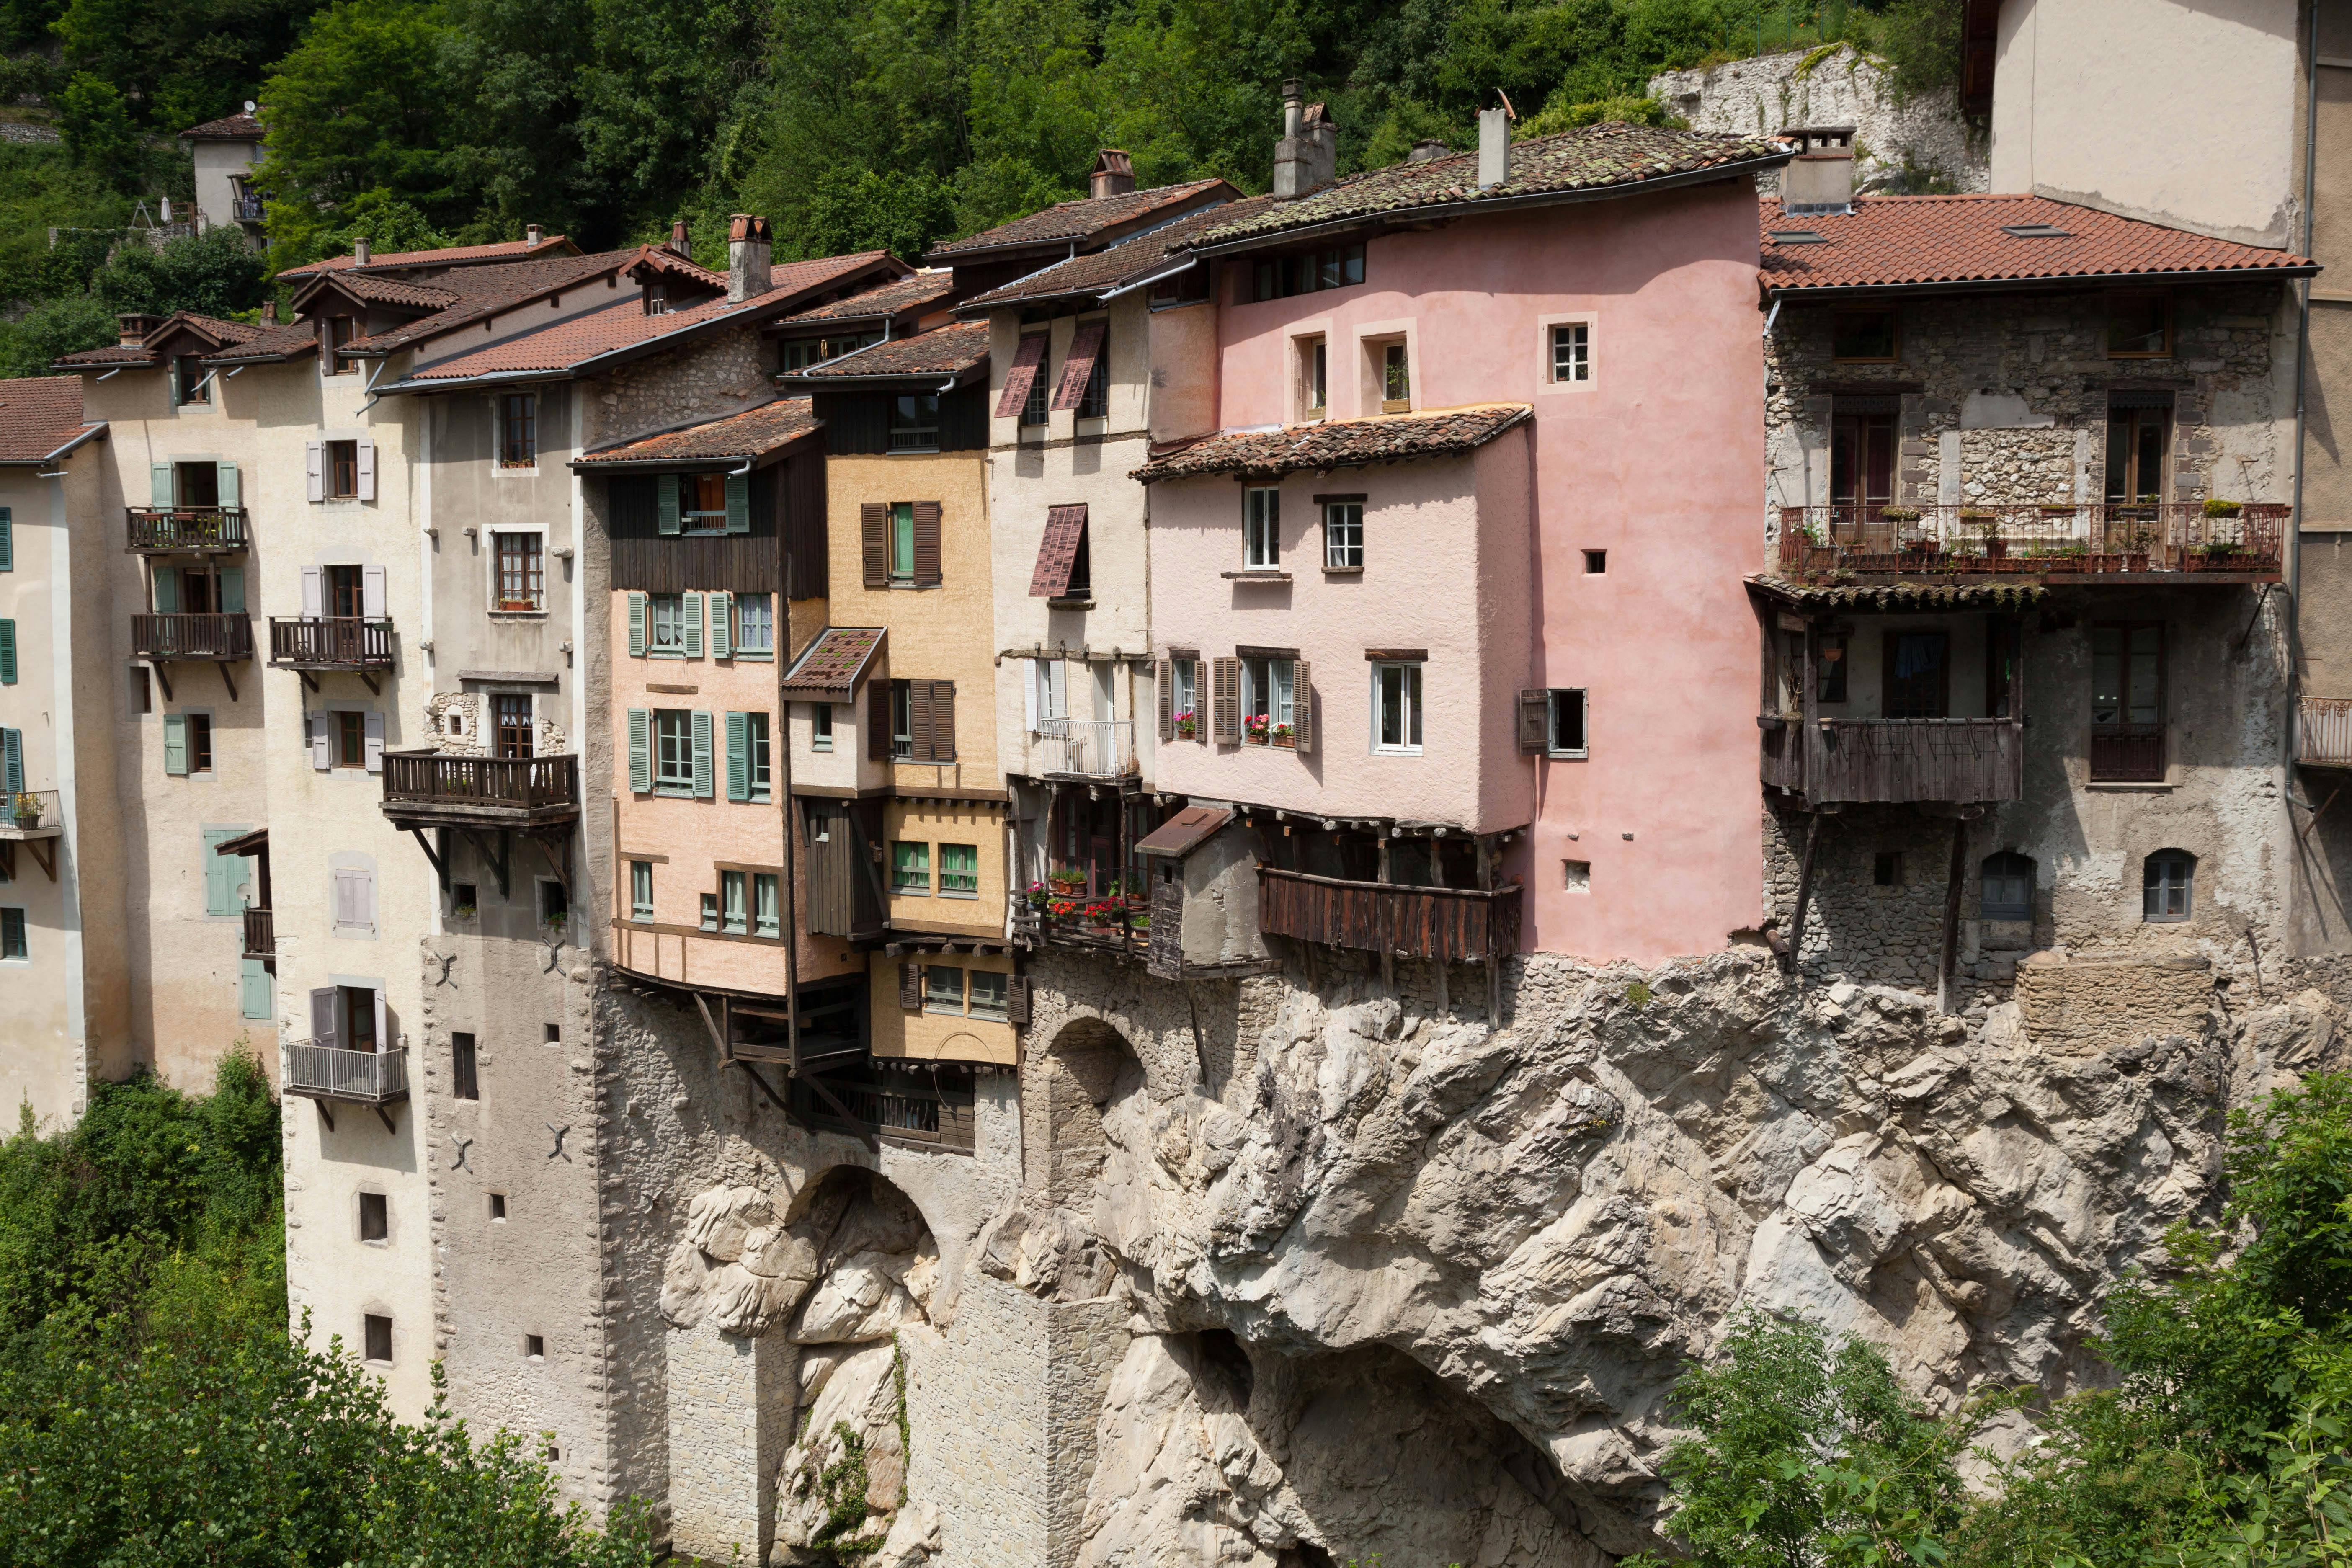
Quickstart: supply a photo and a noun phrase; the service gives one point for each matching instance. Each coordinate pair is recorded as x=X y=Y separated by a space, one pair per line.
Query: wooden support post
x=1388 y=958
x=325 y=1115
x=1804 y=892
x=385 y=1117
x=1953 y=879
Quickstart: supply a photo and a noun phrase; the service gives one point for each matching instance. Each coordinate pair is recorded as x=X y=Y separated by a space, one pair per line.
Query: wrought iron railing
x=2126 y=754
x=331 y=1072
x=2323 y=731
x=162 y=530
x=434 y=778
x=1088 y=748
x=332 y=642
x=191 y=636
x=2033 y=538
x=1450 y=923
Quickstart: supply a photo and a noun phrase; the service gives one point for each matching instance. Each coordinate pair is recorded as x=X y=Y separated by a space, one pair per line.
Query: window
x=943 y=988
x=1343 y=533
x=734 y=903
x=1266 y=698
x=1572 y=352
x=1596 y=563
x=673 y=750
x=1862 y=337
x=2008 y=891
x=1261 y=528
x=464 y=898
x=820 y=726
x=1915 y=683
x=497 y=1208
x=342 y=469
x=346 y=592
x=1094 y=402
x=1396 y=379
x=354 y=908
x=1862 y=459
x=915 y=422
x=2168 y=886
x=958 y=870
x=702 y=503
x=534 y=1347
x=1314 y=377
x=143 y=690
x=1034 y=408
x=902 y=718
x=1306 y=272
x=340 y=329
x=188 y=384
x=518 y=430
x=2139 y=432
x=12 y=934
x=1576 y=875
x=377 y=1334
x=555 y=903
x=351 y=738
x=641 y=889
x=710 y=912
x=755 y=756
x=522 y=570
x=510 y=712
x=910 y=868
x=1396 y=709
x=990 y=992
x=902 y=542
x=753 y=633
x=2127 y=702
x=1886 y=869
x=666 y=624
x=465 y=1082
x=554 y=1035
x=199 y=731
x=766 y=906
x=2139 y=326
x=1830 y=683
x=1564 y=723
x=375 y=1220
x=1184 y=697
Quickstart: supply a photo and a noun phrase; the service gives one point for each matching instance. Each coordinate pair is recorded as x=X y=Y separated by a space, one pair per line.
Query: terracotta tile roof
x=110 y=354
x=383 y=290
x=239 y=127
x=1123 y=262
x=39 y=415
x=1077 y=220
x=1595 y=158
x=890 y=300
x=1914 y=597
x=1910 y=241
x=754 y=433
x=832 y=666
x=664 y=261
x=288 y=341
x=449 y=256
x=1338 y=444
x=211 y=327
x=942 y=351
x=480 y=291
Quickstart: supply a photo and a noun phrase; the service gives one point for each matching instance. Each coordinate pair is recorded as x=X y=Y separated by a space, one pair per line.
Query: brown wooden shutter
x=919 y=721
x=1057 y=557
x=1164 y=690
x=1535 y=721
x=1016 y=999
x=1226 y=700
x=1078 y=366
x=943 y=721
x=877 y=721
x=1302 y=706
x=873 y=533
x=1027 y=362
x=911 y=986
x=927 y=543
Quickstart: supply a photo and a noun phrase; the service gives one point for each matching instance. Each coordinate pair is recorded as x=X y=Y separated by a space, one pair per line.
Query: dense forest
x=851 y=124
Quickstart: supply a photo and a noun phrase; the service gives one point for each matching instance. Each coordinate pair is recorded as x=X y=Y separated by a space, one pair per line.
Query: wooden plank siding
x=1450 y=923
x=1897 y=761
x=786 y=547
x=857 y=424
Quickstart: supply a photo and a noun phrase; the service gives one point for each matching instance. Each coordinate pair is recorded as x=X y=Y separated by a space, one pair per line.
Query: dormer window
x=188 y=384
x=656 y=299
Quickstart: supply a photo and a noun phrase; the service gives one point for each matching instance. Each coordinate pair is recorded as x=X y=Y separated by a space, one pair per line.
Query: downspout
x=2301 y=411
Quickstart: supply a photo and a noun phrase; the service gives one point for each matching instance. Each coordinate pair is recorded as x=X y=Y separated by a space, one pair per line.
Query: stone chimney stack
x=1820 y=179
x=533 y=234
x=269 y=312
x=1307 y=157
x=1114 y=173
x=132 y=330
x=359 y=250
x=679 y=241
x=750 y=244
x=1494 y=146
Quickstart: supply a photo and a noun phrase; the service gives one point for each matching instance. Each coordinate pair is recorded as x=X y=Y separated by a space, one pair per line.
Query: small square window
x=1567 y=725
x=2139 y=326
x=1596 y=563
x=1576 y=875
x=464 y=1083
x=710 y=912
x=821 y=727
x=375 y=1217
x=641 y=889
x=1886 y=868
x=376 y=1333
x=988 y=994
x=1572 y=352
x=555 y=903
x=554 y=1034
x=534 y=1347
x=942 y=988
x=464 y=898
x=958 y=870
x=497 y=1208
x=1862 y=337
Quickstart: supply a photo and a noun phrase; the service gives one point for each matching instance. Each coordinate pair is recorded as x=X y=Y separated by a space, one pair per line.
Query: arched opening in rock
x=1223 y=1359
x=1090 y=1067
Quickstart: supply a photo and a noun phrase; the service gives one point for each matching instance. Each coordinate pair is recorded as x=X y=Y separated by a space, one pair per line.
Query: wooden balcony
x=1900 y=761
x=2174 y=542
x=193 y=638
x=362 y=1077
x=905 y=1114
x=260 y=933
x=334 y=642
x=431 y=789
x=1450 y=923
x=186 y=530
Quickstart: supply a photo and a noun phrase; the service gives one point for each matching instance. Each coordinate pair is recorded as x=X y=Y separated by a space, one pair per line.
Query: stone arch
x=1089 y=1067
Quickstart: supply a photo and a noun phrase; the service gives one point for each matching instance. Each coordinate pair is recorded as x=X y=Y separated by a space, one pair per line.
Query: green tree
x=97 y=129
x=178 y=63
x=213 y=274
x=30 y=346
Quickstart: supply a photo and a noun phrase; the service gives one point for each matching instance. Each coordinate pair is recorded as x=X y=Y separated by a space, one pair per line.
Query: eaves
x=1799 y=293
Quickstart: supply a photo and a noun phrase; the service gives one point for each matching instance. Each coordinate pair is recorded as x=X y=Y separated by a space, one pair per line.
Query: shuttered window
x=910 y=868
x=1024 y=382
x=229 y=878
x=253 y=989
x=673 y=738
x=1079 y=368
x=8 y=653
x=354 y=901
x=8 y=540
x=1063 y=570
x=922 y=721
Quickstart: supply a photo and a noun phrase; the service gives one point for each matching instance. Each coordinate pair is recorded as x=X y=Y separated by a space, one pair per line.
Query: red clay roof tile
x=832 y=665
x=1338 y=444
x=1077 y=220
x=448 y=256
x=38 y=415
x=890 y=300
x=1123 y=262
x=754 y=433
x=942 y=351
x=241 y=126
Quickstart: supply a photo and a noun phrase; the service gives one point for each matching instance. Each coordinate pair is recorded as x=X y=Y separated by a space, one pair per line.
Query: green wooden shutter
x=253 y=989
x=701 y=754
x=228 y=491
x=722 y=607
x=738 y=503
x=159 y=484
x=641 y=762
x=8 y=653
x=7 y=539
x=638 y=625
x=12 y=760
x=739 y=756
x=665 y=497
x=232 y=590
x=220 y=874
x=693 y=625
x=175 y=744
x=167 y=590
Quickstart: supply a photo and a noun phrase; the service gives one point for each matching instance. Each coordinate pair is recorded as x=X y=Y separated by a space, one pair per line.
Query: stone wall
x=977 y=1404
x=730 y=1409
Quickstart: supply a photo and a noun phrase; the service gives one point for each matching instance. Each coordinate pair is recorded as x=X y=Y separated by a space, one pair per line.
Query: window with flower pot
x=522 y=564
x=1180 y=682
x=1268 y=700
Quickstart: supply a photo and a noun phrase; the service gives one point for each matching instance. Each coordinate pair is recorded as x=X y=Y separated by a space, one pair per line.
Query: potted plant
x=1067 y=879
x=1035 y=895
x=517 y=605
x=555 y=922
x=28 y=809
x=2216 y=507
x=1253 y=729
x=461 y=912
x=2221 y=555
x=1284 y=735
x=1188 y=724
x=1898 y=513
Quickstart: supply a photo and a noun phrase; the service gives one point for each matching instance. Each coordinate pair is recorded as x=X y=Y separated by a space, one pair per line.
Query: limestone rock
x=684 y=1281
x=859 y=1408
x=718 y=1220
x=861 y=1299
x=914 y=1539
x=743 y=1302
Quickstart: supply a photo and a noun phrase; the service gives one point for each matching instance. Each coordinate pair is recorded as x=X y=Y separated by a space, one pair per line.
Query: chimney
x=269 y=312
x=1114 y=173
x=1495 y=145
x=1428 y=152
x=532 y=234
x=678 y=242
x=133 y=329
x=1307 y=157
x=749 y=245
x=359 y=250
x=1820 y=179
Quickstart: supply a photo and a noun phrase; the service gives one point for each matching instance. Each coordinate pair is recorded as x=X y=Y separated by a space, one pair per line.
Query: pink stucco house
x=1452 y=638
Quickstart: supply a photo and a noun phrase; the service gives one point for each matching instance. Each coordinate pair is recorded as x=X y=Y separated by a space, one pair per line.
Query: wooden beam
x=325 y=1115
x=717 y=1034
x=44 y=851
x=1804 y=892
x=766 y=1088
x=385 y=1117
x=228 y=680
x=164 y=681
x=1954 y=877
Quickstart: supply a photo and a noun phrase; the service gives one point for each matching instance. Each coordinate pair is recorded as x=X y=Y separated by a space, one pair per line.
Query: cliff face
x=1397 y=1245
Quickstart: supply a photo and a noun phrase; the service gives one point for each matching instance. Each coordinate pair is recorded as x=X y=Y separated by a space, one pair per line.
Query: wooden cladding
x=786 y=547
x=858 y=423
x=488 y=789
x=903 y=1111
x=731 y=563
x=844 y=879
x=191 y=636
x=1962 y=761
x=332 y=642
x=1446 y=923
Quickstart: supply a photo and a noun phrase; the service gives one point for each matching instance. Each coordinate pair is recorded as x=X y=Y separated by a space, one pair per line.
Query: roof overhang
x=903 y=381
x=2073 y=280
x=589 y=463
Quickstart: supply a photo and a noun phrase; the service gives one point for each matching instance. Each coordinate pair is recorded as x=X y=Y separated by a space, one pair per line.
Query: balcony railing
x=245 y=209
x=2323 y=731
x=908 y=1116
x=1088 y=748
x=329 y=1072
x=260 y=933
x=27 y=812
x=434 y=787
x=334 y=642
x=207 y=530
x=2024 y=539
x=190 y=637
x=2127 y=753
x=1897 y=760
x=1449 y=923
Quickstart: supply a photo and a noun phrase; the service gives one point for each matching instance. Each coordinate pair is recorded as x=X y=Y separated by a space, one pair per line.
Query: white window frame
x=1409 y=672
x=735 y=605
x=1572 y=351
x=654 y=647
x=1184 y=693
x=1261 y=532
x=820 y=726
x=1306 y=341
x=1330 y=542
x=641 y=910
x=1545 y=380
x=676 y=788
x=1280 y=696
x=1552 y=721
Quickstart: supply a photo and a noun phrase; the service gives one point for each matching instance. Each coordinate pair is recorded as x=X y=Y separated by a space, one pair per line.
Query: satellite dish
x=249 y=106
